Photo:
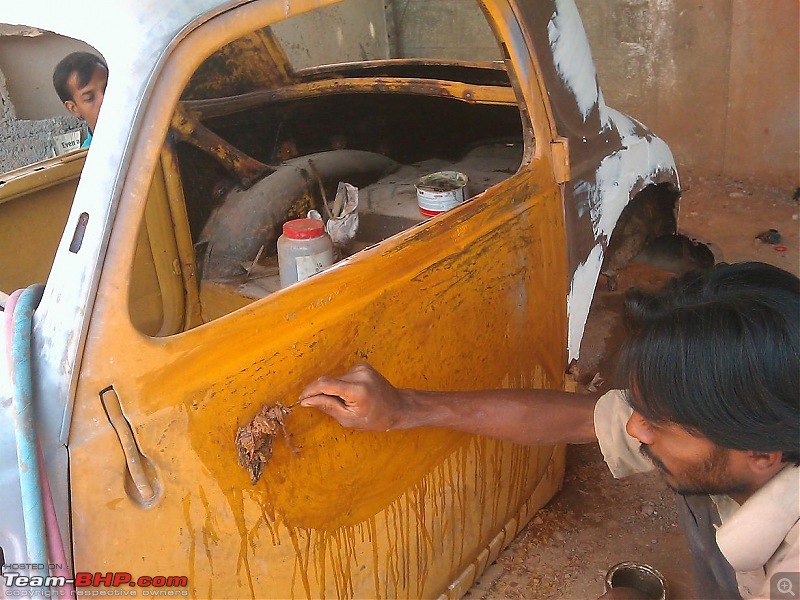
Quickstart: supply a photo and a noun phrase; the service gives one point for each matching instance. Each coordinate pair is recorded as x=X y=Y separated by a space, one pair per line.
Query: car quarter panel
x=611 y=156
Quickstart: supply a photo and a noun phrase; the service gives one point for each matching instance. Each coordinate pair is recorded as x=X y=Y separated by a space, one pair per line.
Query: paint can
x=639 y=576
x=440 y=191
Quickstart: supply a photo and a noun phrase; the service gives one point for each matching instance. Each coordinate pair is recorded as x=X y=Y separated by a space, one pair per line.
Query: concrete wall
x=351 y=31
x=763 y=121
x=718 y=79
x=26 y=141
x=455 y=29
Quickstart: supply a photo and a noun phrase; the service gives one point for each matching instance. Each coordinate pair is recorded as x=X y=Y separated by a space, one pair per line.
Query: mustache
x=645 y=451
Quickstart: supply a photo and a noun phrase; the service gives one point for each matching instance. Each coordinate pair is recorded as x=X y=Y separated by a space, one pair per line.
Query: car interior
x=266 y=145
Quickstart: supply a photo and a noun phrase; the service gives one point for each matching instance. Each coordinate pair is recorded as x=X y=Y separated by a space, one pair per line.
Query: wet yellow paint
x=474 y=300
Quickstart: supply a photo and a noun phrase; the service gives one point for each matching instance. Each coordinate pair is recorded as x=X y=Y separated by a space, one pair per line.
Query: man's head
x=713 y=369
x=80 y=81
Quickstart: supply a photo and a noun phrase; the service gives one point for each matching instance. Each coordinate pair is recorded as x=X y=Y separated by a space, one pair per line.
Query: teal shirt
x=87 y=141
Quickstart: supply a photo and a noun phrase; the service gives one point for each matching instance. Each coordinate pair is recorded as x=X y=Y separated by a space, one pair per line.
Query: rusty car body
x=159 y=330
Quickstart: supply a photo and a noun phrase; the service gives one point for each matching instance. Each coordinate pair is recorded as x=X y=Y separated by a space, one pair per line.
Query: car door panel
x=447 y=305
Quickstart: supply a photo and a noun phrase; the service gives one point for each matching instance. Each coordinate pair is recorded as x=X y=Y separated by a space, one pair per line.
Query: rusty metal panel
x=252 y=62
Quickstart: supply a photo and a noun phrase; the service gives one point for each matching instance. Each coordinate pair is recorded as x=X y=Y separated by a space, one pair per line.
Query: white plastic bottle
x=304 y=249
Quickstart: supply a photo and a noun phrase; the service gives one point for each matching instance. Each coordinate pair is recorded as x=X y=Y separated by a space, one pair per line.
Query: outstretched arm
x=363 y=399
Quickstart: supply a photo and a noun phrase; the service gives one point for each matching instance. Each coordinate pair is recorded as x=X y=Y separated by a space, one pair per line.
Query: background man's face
x=86 y=100
x=689 y=463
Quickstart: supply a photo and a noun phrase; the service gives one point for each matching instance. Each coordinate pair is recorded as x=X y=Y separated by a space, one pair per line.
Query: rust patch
x=254 y=441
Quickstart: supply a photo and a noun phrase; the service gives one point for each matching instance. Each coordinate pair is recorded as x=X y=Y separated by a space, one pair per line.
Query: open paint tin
x=639 y=576
x=440 y=191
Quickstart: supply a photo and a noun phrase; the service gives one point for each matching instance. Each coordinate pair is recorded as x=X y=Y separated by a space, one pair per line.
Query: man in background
x=80 y=81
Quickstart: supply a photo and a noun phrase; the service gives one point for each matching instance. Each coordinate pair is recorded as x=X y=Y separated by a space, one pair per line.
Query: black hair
x=718 y=352
x=81 y=63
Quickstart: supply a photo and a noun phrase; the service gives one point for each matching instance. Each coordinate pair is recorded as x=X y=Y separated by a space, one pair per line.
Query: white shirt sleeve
x=620 y=450
x=779 y=577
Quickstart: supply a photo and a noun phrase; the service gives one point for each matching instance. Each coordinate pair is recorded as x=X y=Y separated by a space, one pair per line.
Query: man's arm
x=363 y=399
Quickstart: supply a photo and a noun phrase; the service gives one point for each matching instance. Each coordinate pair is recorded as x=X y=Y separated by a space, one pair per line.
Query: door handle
x=141 y=483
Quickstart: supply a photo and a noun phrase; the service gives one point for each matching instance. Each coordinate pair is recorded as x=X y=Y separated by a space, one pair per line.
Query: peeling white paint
x=620 y=172
x=581 y=292
x=572 y=55
x=605 y=117
x=636 y=163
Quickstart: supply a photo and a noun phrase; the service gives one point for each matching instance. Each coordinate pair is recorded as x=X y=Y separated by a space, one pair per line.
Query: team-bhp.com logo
x=116 y=583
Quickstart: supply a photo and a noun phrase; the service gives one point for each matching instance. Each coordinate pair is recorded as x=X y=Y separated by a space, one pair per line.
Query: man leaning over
x=713 y=382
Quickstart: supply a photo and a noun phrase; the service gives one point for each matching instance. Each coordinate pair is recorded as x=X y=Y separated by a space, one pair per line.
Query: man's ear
x=764 y=462
x=73 y=109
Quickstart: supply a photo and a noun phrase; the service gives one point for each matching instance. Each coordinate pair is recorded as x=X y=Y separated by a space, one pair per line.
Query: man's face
x=86 y=100
x=689 y=463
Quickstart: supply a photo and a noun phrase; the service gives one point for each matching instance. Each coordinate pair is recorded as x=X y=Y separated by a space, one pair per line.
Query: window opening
x=271 y=126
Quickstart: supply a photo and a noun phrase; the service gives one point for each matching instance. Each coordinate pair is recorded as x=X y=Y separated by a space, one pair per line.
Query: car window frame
x=187 y=52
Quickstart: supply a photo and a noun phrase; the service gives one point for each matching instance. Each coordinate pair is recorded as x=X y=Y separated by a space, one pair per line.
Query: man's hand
x=362 y=398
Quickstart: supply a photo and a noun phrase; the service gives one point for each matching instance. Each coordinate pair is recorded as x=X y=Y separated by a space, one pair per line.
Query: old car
x=161 y=328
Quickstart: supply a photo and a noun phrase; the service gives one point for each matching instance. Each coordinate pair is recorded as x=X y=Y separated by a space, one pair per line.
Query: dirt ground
x=596 y=521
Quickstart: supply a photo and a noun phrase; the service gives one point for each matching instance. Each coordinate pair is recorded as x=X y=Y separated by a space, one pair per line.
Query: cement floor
x=596 y=521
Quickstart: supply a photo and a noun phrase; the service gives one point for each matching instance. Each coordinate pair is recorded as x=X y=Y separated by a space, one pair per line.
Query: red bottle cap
x=303 y=229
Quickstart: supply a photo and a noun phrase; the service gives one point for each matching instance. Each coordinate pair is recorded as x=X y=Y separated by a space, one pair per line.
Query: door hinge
x=559 y=150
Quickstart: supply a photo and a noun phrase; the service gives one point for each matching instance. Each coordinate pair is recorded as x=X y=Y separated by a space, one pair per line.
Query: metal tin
x=440 y=191
x=639 y=576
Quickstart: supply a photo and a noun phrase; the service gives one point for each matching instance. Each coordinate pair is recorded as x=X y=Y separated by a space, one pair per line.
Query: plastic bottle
x=304 y=249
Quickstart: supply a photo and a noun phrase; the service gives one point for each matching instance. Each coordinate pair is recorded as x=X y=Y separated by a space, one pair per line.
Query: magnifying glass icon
x=785 y=586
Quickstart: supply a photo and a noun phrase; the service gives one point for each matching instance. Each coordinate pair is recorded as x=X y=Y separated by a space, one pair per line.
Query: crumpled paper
x=342 y=217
